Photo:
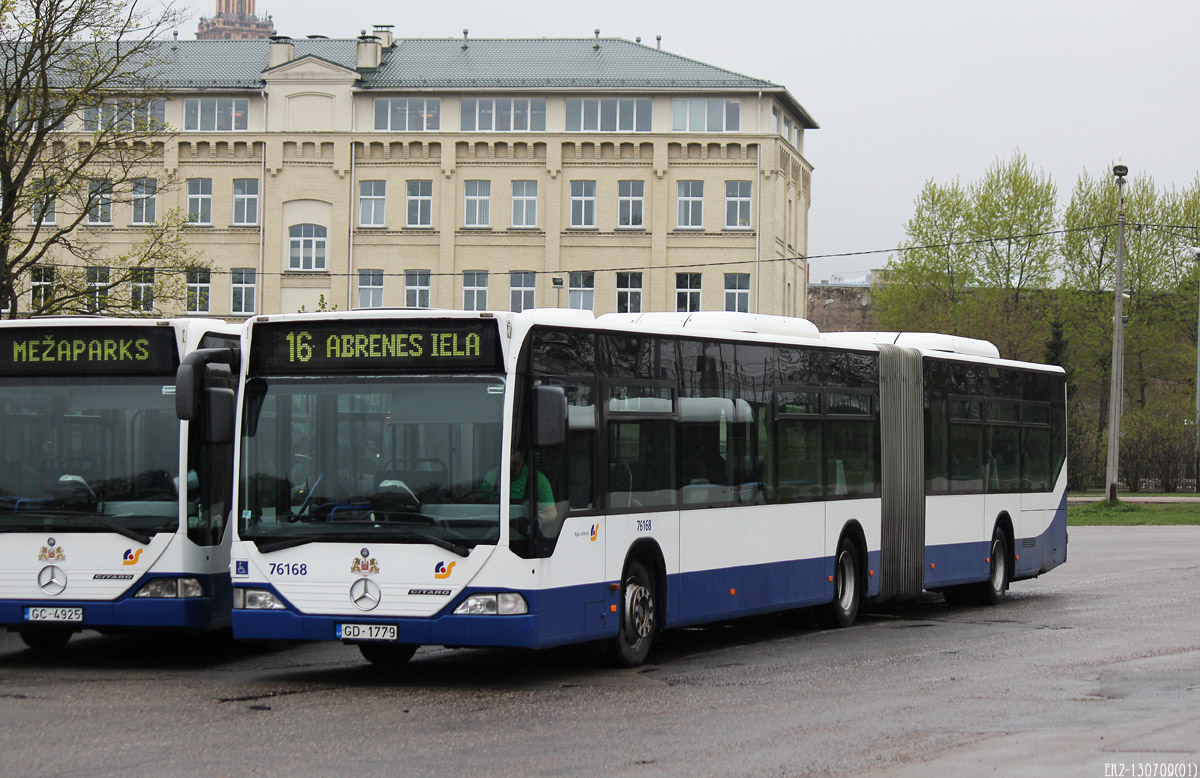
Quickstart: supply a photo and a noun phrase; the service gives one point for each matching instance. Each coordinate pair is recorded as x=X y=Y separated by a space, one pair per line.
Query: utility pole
x=1117 y=393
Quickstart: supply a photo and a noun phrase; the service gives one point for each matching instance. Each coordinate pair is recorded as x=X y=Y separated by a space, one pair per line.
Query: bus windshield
x=94 y=455
x=396 y=459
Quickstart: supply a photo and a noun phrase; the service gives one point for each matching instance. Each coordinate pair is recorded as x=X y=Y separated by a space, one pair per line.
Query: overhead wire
x=674 y=266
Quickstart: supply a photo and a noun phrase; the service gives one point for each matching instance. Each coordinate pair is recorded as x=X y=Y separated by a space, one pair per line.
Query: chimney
x=384 y=33
x=369 y=51
x=281 y=50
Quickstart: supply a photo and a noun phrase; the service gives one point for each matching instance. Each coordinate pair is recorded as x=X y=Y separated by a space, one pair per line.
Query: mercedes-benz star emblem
x=365 y=594
x=52 y=579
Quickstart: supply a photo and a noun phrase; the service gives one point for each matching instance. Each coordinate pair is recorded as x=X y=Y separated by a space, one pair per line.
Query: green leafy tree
x=78 y=128
x=929 y=280
x=1012 y=223
x=977 y=261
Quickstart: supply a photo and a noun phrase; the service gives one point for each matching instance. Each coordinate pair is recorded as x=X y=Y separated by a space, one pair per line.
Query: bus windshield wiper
x=132 y=534
x=440 y=542
x=70 y=524
x=279 y=545
x=267 y=546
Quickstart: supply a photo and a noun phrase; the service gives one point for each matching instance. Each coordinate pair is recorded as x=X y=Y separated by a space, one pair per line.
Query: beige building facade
x=500 y=174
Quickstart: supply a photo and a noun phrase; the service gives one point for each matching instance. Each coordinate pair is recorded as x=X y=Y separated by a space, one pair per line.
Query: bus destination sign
x=102 y=350
x=390 y=345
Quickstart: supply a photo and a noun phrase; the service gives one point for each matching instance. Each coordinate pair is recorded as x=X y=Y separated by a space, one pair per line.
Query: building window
x=522 y=285
x=631 y=199
x=245 y=201
x=775 y=118
x=199 y=200
x=524 y=203
x=787 y=128
x=737 y=205
x=125 y=117
x=609 y=114
x=216 y=114
x=141 y=290
x=687 y=292
x=306 y=247
x=583 y=204
x=478 y=203
x=372 y=203
x=45 y=202
x=199 y=284
x=475 y=289
x=581 y=290
x=737 y=292
x=698 y=114
x=370 y=289
x=416 y=288
x=145 y=195
x=42 y=287
x=99 y=201
x=691 y=205
x=503 y=115
x=408 y=114
x=419 y=204
x=629 y=292
x=97 y=289
x=242 y=285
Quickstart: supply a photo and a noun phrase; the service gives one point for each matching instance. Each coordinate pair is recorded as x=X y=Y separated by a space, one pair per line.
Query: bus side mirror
x=189 y=378
x=222 y=406
x=187 y=391
x=549 y=416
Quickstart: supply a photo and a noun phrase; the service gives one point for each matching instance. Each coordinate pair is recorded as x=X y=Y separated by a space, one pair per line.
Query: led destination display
x=382 y=344
x=88 y=350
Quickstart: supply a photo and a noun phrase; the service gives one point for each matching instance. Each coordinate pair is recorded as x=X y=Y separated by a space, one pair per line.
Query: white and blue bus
x=112 y=512
x=532 y=479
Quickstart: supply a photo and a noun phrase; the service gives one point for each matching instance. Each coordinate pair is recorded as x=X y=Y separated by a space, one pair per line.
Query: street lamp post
x=824 y=314
x=1116 y=395
x=1196 y=421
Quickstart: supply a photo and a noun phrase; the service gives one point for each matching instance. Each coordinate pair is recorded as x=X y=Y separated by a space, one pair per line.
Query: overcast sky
x=903 y=91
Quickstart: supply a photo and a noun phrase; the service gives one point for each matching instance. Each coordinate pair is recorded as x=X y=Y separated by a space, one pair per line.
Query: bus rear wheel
x=991 y=591
x=387 y=654
x=631 y=646
x=847 y=593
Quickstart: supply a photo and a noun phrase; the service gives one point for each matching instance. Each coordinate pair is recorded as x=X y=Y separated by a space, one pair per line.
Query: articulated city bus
x=532 y=479
x=112 y=512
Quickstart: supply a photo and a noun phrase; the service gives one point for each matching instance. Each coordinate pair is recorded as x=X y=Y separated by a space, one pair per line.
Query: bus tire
x=847 y=588
x=638 y=618
x=991 y=591
x=387 y=654
x=47 y=639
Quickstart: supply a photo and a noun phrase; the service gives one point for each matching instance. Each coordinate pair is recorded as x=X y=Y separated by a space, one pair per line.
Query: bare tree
x=82 y=130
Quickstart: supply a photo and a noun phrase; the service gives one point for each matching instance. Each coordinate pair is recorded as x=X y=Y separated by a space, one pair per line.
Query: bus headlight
x=257 y=599
x=493 y=604
x=170 y=588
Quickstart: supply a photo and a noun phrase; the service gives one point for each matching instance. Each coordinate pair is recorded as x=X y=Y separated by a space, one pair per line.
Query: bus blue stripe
x=211 y=610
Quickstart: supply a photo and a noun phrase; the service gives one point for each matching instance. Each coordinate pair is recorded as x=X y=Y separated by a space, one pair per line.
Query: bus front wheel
x=847 y=593
x=46 y=639
x=631 y=646
x=991 y=591
x=387 y=654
